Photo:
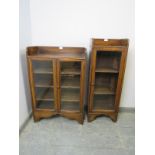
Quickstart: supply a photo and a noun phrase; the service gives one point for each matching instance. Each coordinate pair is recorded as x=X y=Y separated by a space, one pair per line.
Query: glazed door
x=104 y=79
x=43 y=82
x=70 y=89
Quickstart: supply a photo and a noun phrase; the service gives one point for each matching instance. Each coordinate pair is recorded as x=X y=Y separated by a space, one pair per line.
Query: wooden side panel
x=92 y=80
x=31 y=83
x=120 y=79
x=93 y=67
x=82 y=85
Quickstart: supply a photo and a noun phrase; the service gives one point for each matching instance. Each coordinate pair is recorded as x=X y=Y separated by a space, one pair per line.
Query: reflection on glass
x=43 y=82
x=70 y=86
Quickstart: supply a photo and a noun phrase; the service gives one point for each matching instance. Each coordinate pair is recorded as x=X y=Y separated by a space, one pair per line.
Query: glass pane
x=108 y=61
x=72 y=68
x=43 y=82
x=70 y=81
x=105 y=83
x=106 y=78
x=70 y=106
x=70 y=86
x=45 y=105
x=103 y=102
x=42 y=67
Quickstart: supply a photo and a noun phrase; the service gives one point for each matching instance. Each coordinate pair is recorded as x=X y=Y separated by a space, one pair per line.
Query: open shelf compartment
x=107 y=62
x=104 y=102
x=105 y=84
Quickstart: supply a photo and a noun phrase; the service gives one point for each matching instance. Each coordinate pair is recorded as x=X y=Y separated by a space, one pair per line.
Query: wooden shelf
x=99 y=90
x=45 y=99
x=106 y=70
x=56 y=52
x=68 y=98
x=71 y=71
x=45 y=84
x=43 y=71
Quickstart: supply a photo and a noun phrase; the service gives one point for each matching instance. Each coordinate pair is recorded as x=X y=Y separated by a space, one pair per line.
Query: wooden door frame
x=82 y=79
x=120 y=78
x=32 y=83
x=92 y=79
x=123 y=51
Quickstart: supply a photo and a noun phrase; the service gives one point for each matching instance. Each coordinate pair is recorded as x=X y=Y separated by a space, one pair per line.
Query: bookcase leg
x=36 y=119
x=81 y=120
x=113 y=117
x=91 y=118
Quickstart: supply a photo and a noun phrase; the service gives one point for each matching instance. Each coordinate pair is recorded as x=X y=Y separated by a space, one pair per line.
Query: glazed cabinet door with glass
x=43 y=85
x=70 y=78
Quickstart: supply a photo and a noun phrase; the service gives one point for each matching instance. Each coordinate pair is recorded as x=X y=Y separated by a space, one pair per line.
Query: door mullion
x=54 y=84
x=58 y=86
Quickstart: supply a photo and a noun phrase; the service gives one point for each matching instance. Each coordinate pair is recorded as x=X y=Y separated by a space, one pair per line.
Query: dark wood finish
x=56 y=78
x=107 y=67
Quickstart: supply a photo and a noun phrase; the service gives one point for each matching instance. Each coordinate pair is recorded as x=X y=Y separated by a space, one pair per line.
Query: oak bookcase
x=107 y=67
x=57 y=78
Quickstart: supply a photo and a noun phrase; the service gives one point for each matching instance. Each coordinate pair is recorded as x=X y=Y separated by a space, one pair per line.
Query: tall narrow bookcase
x=107 y=67
x=56 y=77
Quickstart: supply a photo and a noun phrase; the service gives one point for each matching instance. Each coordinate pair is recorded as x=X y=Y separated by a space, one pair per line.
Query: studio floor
x=60 y=136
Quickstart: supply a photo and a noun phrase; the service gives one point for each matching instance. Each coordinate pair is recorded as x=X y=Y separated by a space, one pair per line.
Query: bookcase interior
x=106 y=78
x=103 y=102
x=108 y=61
x=70 y=86
x=105 y=83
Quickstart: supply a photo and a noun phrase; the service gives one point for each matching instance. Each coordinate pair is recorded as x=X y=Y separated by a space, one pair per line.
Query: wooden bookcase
x=57 y=78
x=107 y=67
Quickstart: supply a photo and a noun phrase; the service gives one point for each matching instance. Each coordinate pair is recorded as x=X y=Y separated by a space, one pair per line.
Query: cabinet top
x=110 y=42
x=56 y=52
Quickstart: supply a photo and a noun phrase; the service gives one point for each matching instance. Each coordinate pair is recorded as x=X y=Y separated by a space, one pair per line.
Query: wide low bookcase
x=57 y=78
x=107 y=67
